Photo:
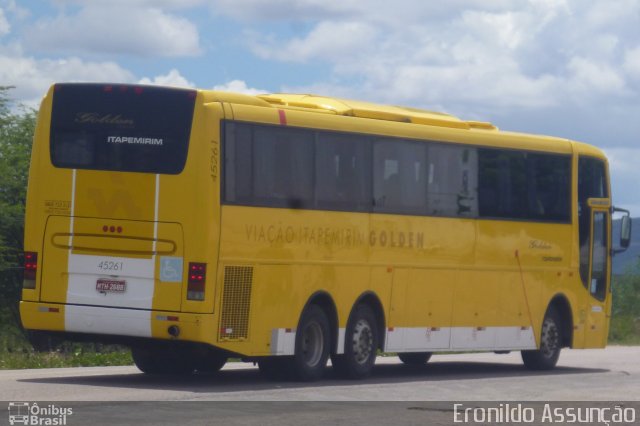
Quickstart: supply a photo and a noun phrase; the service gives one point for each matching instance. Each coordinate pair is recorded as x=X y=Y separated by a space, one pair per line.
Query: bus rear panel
x=109 y=195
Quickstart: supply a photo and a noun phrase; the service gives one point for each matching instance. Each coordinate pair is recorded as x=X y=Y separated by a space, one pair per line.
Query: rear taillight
x=197 y=278
x=30 y=269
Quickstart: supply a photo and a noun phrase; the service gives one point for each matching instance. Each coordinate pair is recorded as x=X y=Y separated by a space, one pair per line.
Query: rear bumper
x=116 y=322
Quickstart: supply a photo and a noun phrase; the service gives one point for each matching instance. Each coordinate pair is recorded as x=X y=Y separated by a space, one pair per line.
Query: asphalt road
x=612 y=374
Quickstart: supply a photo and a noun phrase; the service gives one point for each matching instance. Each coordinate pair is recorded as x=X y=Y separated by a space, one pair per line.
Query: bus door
x=598 y=282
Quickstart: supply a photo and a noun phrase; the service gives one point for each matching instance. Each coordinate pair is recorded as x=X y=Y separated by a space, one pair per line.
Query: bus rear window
x=121 y=127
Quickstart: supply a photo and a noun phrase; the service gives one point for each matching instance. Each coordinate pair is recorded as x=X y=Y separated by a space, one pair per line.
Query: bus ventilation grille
x=236 y=300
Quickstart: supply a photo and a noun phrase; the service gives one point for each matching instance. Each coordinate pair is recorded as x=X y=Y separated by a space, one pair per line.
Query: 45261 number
x=109 y=265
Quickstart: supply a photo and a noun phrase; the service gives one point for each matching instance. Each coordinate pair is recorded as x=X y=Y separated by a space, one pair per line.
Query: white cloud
x=625 y=174
x=32 y=77
x=172 y=78
x=284 y=10
x=502 y=29
x=328 y=40
x=463 y=53
x=406 y=12
x=101 y=28
x=15 y=10
x=597 y=78
x=162 y=4
x=239 y=86
x=5 y=28
x=603 y=15
x=632 y=62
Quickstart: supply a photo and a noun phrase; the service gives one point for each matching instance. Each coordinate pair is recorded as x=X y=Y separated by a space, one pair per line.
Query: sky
x=567 y=68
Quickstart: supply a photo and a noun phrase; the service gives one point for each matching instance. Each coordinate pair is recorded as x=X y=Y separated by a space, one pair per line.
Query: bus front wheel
x=361 y=345
x=547 y=356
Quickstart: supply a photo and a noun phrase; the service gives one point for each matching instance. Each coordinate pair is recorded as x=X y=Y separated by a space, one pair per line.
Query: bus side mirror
x=625 y=232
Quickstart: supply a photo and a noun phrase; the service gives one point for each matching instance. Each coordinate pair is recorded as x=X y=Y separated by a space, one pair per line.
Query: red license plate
x=106 y=285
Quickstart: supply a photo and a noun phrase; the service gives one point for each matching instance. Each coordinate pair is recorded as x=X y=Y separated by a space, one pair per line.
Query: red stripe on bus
x=283 y=117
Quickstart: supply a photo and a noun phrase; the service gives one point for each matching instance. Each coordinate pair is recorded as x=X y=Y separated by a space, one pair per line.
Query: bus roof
x=322 y=104
x=336 y=106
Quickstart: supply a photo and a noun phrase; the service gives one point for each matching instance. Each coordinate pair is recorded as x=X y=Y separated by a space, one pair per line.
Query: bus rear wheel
x=414 y=358
x=361 y=345
x=312 y=345
x=161 y=360
x=547 y=356
x=210 y=361
x=275 y=368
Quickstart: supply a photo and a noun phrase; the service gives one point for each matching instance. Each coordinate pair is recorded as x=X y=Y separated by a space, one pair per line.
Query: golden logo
x=97 y=118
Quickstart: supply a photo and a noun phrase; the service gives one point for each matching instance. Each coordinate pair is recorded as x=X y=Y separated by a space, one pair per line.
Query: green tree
x=625 y=322
x=16 y=136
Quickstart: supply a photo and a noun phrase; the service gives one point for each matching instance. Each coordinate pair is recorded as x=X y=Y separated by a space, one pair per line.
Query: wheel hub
x=362 y=341
x=550 y=339
x=312 y=344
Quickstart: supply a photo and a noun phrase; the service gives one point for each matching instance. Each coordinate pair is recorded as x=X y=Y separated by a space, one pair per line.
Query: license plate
x=106 y=285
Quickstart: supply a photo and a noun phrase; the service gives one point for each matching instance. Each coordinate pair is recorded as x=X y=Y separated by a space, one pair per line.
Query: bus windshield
x=121 y=128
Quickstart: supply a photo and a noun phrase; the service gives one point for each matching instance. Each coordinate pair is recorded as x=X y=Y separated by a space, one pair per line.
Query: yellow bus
x=196 y=225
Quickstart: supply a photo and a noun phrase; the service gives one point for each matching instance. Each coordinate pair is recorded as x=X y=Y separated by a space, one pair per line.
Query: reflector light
x=107 y=228
x=138 y=90
x=196 y=281
x=30 y=269
x=167 y=318
x=108 y=88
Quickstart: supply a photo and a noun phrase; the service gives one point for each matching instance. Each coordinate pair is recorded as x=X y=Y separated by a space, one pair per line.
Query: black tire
x=547 y=356
x=210 y=362
x=145 y=361
x=415 y=358
x=361 y=345
x=275 y=368
x=43 y=342
x=312 y=345
x=161 y=360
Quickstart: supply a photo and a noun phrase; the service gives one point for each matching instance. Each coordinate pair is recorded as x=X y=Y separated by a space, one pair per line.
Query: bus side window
x=283 y=167
x=343 y=172
x=499 y=176
x=452 y=181
x=238 y=163
x=400 y=176
x=268 y=166
x=549 y=187
x=524 y=185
